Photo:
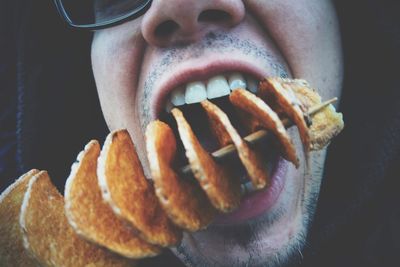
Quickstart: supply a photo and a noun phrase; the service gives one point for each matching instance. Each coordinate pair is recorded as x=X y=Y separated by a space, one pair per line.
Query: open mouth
x=217 y=89
x=221 y=110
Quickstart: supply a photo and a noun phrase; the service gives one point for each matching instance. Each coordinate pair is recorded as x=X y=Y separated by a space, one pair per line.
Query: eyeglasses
x=100 y=14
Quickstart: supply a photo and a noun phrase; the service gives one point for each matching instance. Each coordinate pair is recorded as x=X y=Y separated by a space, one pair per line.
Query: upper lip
x=199 y=73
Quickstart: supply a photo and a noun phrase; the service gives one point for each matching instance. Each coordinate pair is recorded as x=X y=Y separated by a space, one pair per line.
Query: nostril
x=166 y=29
x=213 y=15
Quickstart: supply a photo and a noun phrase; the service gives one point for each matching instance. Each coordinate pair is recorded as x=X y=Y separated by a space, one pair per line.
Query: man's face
x=137 y=64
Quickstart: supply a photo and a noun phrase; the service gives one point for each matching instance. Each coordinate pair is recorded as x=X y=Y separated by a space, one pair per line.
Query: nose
x=171 y=22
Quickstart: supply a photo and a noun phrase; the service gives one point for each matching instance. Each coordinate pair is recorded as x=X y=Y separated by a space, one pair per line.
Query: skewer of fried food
x=260 y=135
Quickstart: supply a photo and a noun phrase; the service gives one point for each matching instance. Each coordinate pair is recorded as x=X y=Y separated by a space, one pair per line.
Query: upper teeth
x=178 y=97
x=217 y=86
x=195 y=92
x=237 y=81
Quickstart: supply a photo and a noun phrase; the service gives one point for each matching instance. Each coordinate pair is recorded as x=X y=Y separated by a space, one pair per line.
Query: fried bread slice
x=130 y=194
x=326 y=124
x=48 y=236
x=221 y=184
x=183 y=200
x=94 y=219
x=282 y=99
x=12 y=251
x=249 y=123
x=253 y=162
x=257 y=108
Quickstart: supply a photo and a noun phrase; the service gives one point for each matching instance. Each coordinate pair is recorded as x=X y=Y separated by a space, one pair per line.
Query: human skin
x=293 y=38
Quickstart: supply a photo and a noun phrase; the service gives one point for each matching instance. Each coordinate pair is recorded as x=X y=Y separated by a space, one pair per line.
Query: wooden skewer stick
x=259 y=135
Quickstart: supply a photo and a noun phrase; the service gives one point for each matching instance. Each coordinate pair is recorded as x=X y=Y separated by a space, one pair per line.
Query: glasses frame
x=102 y=25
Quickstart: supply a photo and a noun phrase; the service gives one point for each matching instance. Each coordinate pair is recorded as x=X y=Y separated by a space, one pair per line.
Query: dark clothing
x=51 y=103
x=358 y=216
x=50 y=110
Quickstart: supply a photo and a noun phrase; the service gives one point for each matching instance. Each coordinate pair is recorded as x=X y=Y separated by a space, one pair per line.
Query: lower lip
x=259 y=202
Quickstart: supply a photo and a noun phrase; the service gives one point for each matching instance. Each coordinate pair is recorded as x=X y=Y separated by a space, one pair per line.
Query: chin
x=275 y=237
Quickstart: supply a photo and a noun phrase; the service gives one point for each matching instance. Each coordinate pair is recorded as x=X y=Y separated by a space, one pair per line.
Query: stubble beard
x=290 y=255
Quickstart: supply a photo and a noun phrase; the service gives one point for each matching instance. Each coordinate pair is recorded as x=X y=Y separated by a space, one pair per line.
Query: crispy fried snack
x=326 y=124
x=133 y=204
x=249 y=123
x=184 y=201
x=278 y=95
x=254 y=106
x=12 y=251
x=221 y=187
x=92 y=218
x=130 y=194
x=251 y=159
x=48 y=236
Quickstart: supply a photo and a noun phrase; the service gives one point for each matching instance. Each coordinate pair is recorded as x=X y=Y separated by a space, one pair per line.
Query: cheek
x=307 y=33
x=116 y=57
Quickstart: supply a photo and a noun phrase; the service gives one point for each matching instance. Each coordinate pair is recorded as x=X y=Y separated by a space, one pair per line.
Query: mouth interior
x=198 y=120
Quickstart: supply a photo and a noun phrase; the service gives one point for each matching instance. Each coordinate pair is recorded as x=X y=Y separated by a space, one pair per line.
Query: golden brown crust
x=184 y=201
x=326 y=124
x=306 y=95
x=253 y=162
x=32 y=210
x=48 y=235
x=267 y=118
x=249 y=123
x=12 y=251
x=92 y=218
x=217 y=130
x=220 y=184
x=130 y=194
x=275 y=92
